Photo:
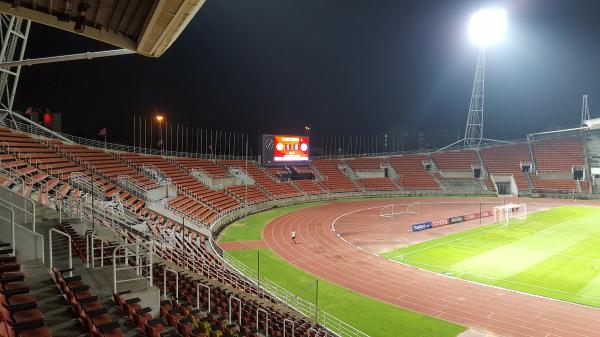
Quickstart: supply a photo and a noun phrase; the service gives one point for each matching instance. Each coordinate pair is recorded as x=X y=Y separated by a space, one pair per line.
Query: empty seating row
x=366 y=163
x=251 y=194
x=461 y=160
x=218 y=200
x=309 y=186
x=103 y=164
x=210 y=167
x=192 y=208
x=275 y=188
x=558 y=154
x=19 y=315
x=335 y=179
x=412 y=172
x=506 y=160
x=379 y=184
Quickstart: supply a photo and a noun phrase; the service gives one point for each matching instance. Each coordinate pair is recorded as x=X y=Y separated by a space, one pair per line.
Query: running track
x=485 y=308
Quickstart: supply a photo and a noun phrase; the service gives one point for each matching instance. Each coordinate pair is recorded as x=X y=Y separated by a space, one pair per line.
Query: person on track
x=293 y=234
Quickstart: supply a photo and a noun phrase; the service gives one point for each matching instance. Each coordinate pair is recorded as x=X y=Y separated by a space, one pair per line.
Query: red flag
x=102 y=132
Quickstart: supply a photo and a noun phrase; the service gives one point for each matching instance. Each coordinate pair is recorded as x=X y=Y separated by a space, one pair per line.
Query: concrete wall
x=370 y=174
x=456 y=174
x=29 y=246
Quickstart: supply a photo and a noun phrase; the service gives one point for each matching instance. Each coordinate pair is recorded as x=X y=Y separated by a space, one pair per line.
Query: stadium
x=179 y=231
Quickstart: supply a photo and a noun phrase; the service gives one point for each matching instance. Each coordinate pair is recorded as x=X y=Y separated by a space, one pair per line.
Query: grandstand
x=125 y=236
x=199 y=196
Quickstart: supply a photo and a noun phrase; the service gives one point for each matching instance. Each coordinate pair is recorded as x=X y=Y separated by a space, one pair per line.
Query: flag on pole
x=102 y=132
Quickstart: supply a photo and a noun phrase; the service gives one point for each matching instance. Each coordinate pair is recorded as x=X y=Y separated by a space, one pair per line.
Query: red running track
x=485 y=308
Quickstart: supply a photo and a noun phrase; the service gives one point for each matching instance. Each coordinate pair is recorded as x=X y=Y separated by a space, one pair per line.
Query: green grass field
x=371 y=316
x=554 y=253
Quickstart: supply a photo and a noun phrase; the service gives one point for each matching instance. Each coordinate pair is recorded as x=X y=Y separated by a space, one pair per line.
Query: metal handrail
x=165 y=283
x=149 y=264
x=198 y=285
x=54 y=230
x=259 y=310
x=290 y=322
x=240 y=308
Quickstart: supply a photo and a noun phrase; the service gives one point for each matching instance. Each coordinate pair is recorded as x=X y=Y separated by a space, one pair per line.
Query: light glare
x=488 y=26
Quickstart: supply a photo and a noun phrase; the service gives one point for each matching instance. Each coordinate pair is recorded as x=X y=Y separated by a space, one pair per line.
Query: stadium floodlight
x=488 y=26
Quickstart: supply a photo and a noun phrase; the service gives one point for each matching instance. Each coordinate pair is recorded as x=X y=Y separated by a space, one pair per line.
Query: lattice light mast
x=486 y=27
x=14 y=32
x=585 y=110
x=474 y=128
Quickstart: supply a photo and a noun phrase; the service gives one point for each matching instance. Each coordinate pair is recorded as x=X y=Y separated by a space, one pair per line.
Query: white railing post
x=290 y=322
x=240 y=309
x=198 y=285
x=149 y=250
x=259 y=310
x=165 y=283
x=54 y=230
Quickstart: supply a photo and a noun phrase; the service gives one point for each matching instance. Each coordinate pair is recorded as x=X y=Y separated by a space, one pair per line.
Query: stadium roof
x=148 y=27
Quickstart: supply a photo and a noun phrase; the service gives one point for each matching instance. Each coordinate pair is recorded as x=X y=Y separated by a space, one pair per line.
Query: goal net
x=389 y=211
x=506 y=213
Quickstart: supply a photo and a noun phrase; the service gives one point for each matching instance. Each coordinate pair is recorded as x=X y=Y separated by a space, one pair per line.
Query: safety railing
x=165 y=271
x=231 y=297
x=69 y=248
x=142 y=266
x=266 y=314
x=294 y=301
x=33 y=129
x=198 y=285
x=91 y=248
x=15 y=200
x=285 y=323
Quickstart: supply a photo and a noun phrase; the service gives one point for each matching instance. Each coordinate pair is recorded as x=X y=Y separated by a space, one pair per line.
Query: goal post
x=391 y=210
x=506 y=213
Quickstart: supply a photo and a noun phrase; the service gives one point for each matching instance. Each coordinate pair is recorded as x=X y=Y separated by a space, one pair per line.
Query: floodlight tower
x=585 y=110
x=486 y=27
x=14 y=32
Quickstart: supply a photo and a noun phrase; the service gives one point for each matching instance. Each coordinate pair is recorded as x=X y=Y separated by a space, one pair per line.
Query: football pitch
x=553 y=253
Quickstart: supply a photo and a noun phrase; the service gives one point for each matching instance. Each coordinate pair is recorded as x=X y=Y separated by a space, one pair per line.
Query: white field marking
x=475 y=234
x=355 y=246
x=351 y=212
x=505 y=280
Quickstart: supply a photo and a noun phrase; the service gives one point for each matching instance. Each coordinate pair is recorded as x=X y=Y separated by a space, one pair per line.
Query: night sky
x=350 y=67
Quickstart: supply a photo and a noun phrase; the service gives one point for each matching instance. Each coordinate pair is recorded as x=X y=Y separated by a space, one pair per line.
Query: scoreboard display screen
x=286 y=149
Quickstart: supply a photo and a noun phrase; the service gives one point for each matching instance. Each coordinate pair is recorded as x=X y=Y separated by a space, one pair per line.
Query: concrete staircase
x=59 y=316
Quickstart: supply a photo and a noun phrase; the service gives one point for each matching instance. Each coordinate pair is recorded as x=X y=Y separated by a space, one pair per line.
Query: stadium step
x=59 y=318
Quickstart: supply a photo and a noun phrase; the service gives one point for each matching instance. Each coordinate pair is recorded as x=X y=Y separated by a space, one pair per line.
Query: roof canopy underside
x=148 y=27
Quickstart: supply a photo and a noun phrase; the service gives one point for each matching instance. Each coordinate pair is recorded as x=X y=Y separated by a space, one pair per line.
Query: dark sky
x=344 y=67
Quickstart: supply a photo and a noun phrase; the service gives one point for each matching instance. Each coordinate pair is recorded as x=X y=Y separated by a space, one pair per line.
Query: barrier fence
x=294 y=301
